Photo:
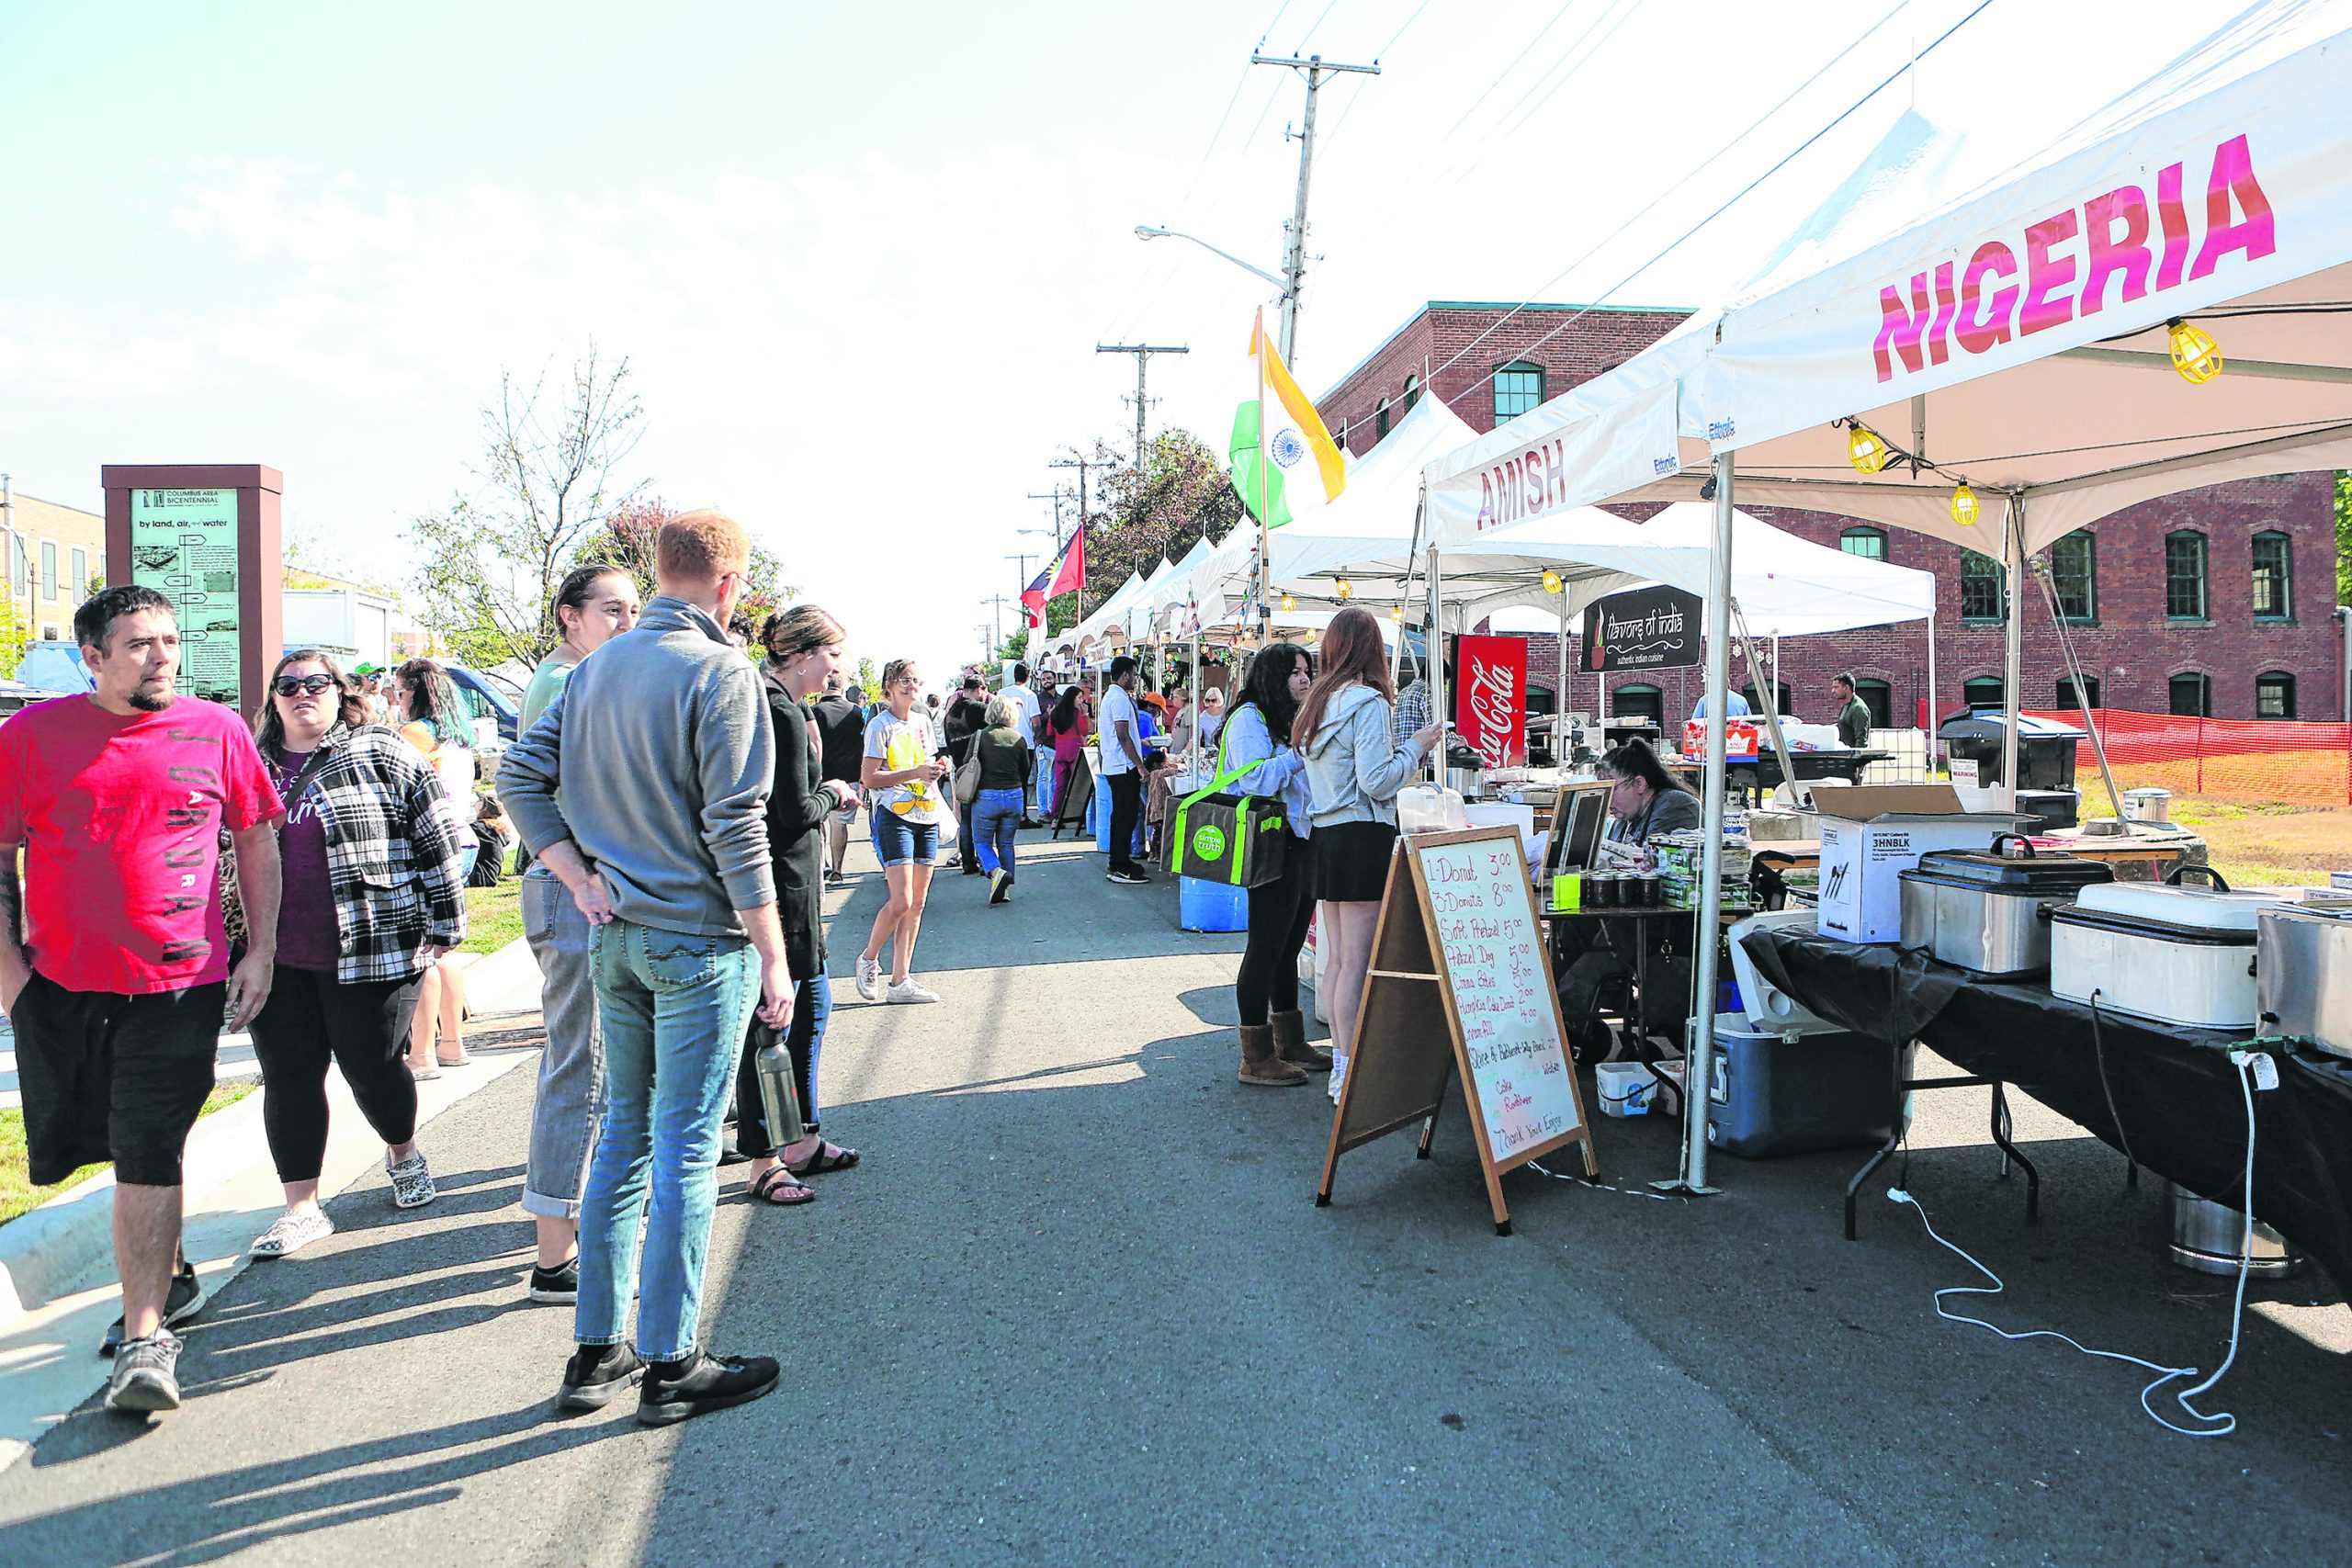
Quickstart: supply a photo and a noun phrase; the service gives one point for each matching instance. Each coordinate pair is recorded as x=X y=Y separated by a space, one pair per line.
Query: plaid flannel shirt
x=393 y=852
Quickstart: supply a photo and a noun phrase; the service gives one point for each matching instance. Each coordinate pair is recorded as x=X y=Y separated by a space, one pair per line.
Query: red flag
x=1033 y=598
x=1071 y=574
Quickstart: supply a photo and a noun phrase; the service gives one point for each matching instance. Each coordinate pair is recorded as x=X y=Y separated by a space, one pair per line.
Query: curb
x=44 y=1254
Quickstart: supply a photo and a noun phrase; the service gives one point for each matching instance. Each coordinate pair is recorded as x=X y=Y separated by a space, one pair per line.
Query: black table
x=1645 y=919
x=2168 y=1098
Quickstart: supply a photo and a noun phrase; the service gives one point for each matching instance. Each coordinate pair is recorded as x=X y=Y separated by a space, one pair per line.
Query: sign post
x=1460 y=986
x=206 y=536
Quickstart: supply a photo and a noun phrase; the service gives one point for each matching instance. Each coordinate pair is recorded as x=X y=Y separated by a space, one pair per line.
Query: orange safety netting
x=2253 y=760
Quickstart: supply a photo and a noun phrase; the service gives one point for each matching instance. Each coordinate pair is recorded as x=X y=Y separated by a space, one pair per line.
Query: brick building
x=58 y=552
x=2218 y=601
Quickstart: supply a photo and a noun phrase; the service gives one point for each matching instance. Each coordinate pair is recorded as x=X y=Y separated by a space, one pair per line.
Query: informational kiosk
x=1460 y=986
x=206 y=536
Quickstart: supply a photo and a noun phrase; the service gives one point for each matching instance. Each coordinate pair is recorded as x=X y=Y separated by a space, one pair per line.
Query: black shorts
x=113 y=1078
x=1352 y=860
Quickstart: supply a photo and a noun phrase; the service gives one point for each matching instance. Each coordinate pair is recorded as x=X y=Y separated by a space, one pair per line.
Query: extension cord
x=2227 y=1424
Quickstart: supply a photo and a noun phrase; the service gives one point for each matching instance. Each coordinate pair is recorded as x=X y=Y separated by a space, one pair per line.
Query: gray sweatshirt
x=1354 y=770
x=656 y=761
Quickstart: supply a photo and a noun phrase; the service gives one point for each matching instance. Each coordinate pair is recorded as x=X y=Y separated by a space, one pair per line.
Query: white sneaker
x=869 y=979
x=1339 y=1074
x=907 y=990
x=291 y=1232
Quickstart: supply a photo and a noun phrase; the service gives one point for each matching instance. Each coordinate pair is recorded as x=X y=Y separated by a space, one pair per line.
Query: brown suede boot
x=1260 y=1066
x=1290 y=1041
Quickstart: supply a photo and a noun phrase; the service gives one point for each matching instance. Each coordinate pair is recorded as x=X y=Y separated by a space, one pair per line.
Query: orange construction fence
x=2252 y=759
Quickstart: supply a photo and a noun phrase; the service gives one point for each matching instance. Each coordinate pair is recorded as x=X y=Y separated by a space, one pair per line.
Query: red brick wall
x=2132 y=650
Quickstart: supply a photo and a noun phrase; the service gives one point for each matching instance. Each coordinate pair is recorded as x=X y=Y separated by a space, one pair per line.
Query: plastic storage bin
x=1772 y=1096
x=1205 y=906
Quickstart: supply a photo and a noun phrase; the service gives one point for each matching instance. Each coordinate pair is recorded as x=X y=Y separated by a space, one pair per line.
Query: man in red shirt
x=119 y=984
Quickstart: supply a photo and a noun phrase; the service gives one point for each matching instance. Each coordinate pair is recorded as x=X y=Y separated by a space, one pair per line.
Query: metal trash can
x=2205 y=1236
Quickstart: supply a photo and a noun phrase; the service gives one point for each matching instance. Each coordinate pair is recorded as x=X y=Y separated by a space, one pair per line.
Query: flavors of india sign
x=184 y=545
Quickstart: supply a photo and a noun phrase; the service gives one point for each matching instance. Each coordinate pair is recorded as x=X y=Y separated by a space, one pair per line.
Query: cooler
x=1772 y=1096
x=1205 y=906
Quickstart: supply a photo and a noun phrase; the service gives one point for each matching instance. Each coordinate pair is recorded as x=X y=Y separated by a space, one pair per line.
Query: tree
x=626 y=539
x=1181 y=494
x=869 y=678
x=1012 y=650
x=2344 y=538
x=490 y=563
x=14 y=635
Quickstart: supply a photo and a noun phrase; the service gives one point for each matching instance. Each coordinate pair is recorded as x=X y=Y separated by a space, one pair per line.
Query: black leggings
x=310 y=1018
x=751 y=1109
x=1279 y=913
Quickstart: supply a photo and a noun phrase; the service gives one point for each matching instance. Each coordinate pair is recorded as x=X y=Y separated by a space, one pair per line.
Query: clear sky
x=860 y=257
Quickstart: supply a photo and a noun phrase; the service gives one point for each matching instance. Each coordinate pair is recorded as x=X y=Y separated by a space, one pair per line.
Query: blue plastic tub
x=1205 y=906
x=1098 y=812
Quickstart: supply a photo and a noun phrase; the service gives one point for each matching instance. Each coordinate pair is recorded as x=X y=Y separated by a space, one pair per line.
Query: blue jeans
x=674 y=1009
x=898 y=841
x=996 y=813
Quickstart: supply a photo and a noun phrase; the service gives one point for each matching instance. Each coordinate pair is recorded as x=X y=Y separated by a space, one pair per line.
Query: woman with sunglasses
x=432 y=718
x=373 y=895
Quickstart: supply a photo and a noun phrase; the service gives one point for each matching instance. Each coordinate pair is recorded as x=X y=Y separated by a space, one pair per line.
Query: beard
x=152 y=701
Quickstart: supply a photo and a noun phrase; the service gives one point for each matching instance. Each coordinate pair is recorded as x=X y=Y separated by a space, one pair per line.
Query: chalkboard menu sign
x=1460 y=988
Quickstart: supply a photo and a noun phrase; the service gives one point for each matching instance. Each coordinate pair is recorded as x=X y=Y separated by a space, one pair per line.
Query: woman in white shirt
x=902 y=772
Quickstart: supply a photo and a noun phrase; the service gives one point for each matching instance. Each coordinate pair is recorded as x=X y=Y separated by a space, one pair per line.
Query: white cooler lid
x=2205 y=909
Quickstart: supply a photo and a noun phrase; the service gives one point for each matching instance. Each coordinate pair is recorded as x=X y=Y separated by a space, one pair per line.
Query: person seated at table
x=1644 y=801
x=1853 y=714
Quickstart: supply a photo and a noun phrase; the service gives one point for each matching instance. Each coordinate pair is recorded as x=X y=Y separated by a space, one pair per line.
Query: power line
x=1469 y=158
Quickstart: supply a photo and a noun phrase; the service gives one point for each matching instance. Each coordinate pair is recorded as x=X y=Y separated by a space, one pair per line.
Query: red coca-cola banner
x=1490 y=697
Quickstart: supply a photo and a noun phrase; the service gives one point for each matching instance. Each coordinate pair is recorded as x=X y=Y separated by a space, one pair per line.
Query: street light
x=1145 y=231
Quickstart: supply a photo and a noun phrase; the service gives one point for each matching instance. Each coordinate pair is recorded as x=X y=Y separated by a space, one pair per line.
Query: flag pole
x=1265 y=533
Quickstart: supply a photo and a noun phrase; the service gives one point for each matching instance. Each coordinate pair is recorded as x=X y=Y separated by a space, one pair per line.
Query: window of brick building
x=1518 y=387
x=2073 y=573
x=81 y=574
x=2185 y=575
x=49 y=568
x=1757 y=707
x=2274 y=695
x=1343 y=433
x=1980 y=587
x=2065 y=691
x=1638 y=700
x=1412 y=391
x=2191 y=696
x=1870 y=542
x=2273 y=578
x=1380 y=420
x=1984 y=692
x=1878 y=697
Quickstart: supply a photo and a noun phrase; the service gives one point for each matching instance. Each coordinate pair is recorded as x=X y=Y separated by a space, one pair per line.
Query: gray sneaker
x=293 y=1231
x=146 y=1375
x=411 y=1183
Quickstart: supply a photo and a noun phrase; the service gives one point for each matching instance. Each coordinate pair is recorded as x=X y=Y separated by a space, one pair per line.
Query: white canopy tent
x=2017 y=341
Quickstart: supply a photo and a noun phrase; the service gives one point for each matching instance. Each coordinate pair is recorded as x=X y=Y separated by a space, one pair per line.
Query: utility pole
x=1314 y=68
x=1081 y=464
x=996 y=621
x=1143 y=352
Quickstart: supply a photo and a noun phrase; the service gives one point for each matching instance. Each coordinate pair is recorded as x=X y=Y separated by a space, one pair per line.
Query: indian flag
x=1285 y=464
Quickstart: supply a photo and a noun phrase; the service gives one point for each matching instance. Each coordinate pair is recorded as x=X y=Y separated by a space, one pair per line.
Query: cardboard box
x=1873 y=833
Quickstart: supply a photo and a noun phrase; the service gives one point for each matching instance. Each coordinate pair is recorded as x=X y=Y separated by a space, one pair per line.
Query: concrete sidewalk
x=58 y=1287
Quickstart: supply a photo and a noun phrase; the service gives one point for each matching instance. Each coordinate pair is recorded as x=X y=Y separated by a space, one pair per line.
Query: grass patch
x=17 y=1194
x=2267 y=843
x=493 y=916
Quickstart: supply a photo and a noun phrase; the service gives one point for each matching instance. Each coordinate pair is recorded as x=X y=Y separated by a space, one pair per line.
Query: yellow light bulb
x=2194 y=354
x=1866 y=449
x=1964 y=507
x=1289 y=603
x=1551 y=581
x=1396 y=612
x=1346 y=589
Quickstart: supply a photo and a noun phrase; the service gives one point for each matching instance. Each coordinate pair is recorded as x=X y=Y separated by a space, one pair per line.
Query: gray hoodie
x=1353 y=771
x=656 y=761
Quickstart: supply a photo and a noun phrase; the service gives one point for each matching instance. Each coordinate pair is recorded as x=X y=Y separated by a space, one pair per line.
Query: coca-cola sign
x=1490 y=697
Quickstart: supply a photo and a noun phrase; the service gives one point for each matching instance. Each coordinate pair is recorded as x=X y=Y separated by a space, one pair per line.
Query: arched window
x=2192 y=696
x=1870 y=542
x=1980 y=587
x=2273 y=578
x=1638 y=700
x=1518 y=387
x=2274 y=695
x=1412 y=391
x=1982 y=691
x=2185 y=575
x=1878 y=697
x=2066 y=692
x=1380 y=420
x=2073 y=573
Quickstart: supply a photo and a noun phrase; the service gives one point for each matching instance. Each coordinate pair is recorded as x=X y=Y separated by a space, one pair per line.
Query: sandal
x=464 y=1058
x=425 y=1074
x=829 y=1156
x=775 y=1186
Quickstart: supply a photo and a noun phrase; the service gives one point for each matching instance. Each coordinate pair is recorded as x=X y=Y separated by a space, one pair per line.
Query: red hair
x=1352 y=655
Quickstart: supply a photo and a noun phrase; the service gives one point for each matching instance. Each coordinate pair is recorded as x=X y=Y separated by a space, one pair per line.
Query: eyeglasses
x=286 y=685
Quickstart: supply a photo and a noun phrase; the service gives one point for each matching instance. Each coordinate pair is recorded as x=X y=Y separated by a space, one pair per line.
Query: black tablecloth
x=2177 y=1108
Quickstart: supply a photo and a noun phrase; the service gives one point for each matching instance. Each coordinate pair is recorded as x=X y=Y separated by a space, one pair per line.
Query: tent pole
x=1699 y=1072
x=1771 y=708
x=1560 y=691
x=1405 y=593
x=2013 y=673
x=1931 y=696
x=1434 y=665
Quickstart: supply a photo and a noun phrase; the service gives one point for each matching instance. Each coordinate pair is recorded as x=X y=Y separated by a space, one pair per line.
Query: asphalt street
x=1076 y=1307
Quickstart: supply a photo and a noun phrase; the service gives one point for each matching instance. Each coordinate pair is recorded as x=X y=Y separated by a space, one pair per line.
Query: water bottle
x=773 y=1064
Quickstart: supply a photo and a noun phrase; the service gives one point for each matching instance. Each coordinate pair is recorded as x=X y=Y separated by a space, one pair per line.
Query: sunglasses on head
x=286 y=685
